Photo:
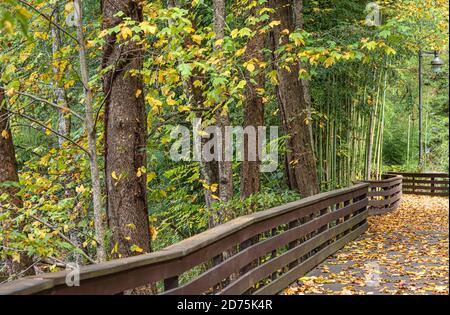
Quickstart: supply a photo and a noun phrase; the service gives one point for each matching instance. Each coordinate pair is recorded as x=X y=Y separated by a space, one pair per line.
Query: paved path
x=404 y=252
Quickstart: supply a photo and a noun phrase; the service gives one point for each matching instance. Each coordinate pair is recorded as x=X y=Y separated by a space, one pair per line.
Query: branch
x=37 y=98
x=63 y=237
x=51 y=130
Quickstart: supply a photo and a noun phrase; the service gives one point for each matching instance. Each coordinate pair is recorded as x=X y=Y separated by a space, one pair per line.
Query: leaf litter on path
x=403 y=252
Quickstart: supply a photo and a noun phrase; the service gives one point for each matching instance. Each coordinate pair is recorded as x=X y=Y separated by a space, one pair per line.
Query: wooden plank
x=291 y=276
x=426 y=181
x=425 y=187
x=382 y=193
x=246 y=281
x=386 y=209
x=384 y=202
x=25 y=286
x=405 y=174
x=385 y=182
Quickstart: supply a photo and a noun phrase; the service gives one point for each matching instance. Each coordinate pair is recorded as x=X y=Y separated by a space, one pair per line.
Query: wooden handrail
x=431 y=184
x=319 y=234
x=384 y=195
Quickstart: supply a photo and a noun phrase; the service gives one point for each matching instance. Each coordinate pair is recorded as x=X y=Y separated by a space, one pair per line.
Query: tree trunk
x=295 y=110
x=223 y=119
x=208 y=169
x=59 y=92
x=253 y=115
x=91 y=134
x=125 y=134
x=8 y=172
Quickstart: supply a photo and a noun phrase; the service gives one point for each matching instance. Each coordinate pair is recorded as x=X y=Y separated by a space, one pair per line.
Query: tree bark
x=253 y=114
x=60 y=96
x=92 y=137
x=125 y=135
x=223 y=119
x=8 y=172
x=295 y=110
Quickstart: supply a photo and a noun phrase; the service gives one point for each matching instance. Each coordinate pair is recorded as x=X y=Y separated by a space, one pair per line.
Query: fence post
x=432 y=185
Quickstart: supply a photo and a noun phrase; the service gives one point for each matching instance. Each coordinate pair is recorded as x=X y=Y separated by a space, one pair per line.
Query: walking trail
x=404 y=252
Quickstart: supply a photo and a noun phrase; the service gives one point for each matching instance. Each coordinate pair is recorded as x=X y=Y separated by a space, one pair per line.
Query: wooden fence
x=431 y=184
x=384 y=195
x=261 y=253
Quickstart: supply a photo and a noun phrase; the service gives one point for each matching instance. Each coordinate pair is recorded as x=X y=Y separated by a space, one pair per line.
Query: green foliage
x=355 y=73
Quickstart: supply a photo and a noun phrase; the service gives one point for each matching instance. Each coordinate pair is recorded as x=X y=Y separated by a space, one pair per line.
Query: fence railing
x=432 y=184
x=260 y=253
x=385 y=194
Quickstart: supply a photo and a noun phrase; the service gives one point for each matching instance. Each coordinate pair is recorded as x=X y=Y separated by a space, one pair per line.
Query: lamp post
x=436 y=65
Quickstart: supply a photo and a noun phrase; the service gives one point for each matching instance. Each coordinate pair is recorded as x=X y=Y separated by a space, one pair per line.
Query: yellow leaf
x=138 y=93
x=136 y=248
x=5 y=134
x=16 y=257
x=115 y=248
x=250 y=67
x=329 y=62
x=10 y=92
x=147 y=28
x=153 y=233
x=170 y=101
x=154 y=102
x=141 y=170
x=114 y=175
x=214 y=187
x=197 y=39
x=131 y=225
x=240 y=52
x=126 y=32
x=183 y=108
x=80 y=189
x=47 y=130
x=274 y=23
x=151 y=176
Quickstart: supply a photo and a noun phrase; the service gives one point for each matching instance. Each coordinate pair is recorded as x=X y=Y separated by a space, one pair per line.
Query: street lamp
x=436 y=65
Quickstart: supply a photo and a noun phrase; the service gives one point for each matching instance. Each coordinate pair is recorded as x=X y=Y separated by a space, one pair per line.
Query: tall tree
x=253 y=112
x=208 y=169
x=126 y=133
x=295 y=109
x=8 y=173
x=59 y=92
x=91 y=135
